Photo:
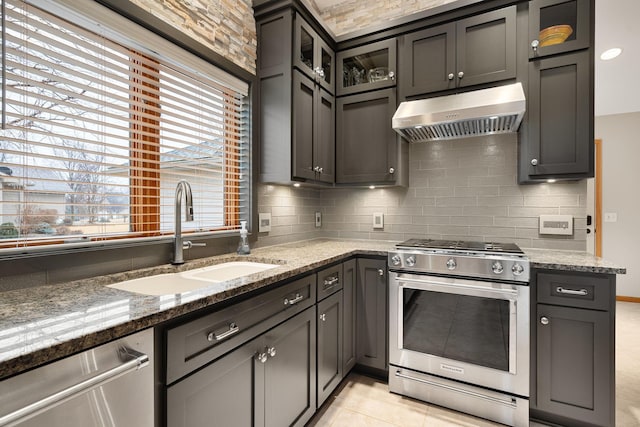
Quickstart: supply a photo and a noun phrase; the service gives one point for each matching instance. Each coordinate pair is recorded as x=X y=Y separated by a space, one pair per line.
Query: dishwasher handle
x=134 y=361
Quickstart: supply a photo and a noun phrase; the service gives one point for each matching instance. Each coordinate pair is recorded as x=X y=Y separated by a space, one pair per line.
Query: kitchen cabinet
x=330 y=315
x=368 y=151
x=557 y=139
x=296 y=122
x=573 y=359
x=372 y=313
x=268 y=381
x=472 y=51
x=368 y=67
x=349 y=316
x=312 y=55
x=548 y=15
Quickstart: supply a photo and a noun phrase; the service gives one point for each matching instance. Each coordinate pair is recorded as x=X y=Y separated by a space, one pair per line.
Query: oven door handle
x=509 y=403
x=476 y=290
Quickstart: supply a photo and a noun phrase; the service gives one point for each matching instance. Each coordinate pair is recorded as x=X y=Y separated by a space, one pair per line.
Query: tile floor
x=363 y=401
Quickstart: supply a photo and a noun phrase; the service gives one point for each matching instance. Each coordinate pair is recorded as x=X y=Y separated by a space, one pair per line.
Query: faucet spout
x=183 y=188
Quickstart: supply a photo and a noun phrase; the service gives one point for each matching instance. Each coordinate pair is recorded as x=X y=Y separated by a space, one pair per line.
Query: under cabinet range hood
x=480 y=112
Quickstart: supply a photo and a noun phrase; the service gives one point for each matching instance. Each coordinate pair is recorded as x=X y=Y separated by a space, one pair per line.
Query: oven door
x=465 y=330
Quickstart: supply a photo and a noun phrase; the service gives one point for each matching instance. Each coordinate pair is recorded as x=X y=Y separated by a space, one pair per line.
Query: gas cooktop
x=459 y=245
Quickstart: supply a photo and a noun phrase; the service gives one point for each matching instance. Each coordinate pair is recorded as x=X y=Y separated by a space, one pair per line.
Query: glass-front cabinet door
x=557 y=26
x=312 y=55
x=367 y=67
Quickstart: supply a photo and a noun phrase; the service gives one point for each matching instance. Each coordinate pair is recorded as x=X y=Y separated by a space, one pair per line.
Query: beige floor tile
x=442 y=417
x=348 y=418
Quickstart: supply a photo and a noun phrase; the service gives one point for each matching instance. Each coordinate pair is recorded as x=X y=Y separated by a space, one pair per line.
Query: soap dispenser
x=243 y=245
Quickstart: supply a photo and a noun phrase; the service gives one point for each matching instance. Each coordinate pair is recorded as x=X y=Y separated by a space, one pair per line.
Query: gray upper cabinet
x=574 y=349
x=297 y=111
x=559 y=26
x=472 y=51
x=371 y=306
x=367 y=148
x=557 y=141
x=312 y=55
x=368 y=67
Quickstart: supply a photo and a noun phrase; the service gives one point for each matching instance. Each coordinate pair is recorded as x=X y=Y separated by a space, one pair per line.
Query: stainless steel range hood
x=481 y=112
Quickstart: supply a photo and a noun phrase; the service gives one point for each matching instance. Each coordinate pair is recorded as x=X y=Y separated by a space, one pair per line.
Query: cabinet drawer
x=329 y=281
x=575 y=290
x=196 y=343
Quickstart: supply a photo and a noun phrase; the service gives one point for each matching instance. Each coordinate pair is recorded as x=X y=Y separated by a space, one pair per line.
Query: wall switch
x=610 y=217
x=264 y=222
x=318 y=219
x=556 y=224
x=378 y=220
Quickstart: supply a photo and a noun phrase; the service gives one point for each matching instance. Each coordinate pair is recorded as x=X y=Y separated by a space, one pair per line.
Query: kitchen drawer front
x=575 y=290
x=329 y=281
x=196 y=343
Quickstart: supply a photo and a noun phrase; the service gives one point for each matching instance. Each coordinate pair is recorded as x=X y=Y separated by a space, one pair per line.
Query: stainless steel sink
x=176 y=283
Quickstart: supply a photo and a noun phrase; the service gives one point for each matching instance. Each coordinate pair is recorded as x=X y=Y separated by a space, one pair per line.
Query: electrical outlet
x=264 y=222
x=318 y=219
x=378 y=221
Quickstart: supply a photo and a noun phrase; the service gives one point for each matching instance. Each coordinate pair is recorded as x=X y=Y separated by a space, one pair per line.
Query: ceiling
x=616 y=88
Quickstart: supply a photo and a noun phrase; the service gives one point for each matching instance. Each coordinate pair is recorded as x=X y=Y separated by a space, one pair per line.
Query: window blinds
x=97 y=133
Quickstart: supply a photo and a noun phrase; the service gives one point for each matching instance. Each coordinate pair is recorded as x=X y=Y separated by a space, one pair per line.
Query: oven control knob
x=396 y=260
x=517 y=269
x=411 y=261
x=497 y=267
x=451 y=264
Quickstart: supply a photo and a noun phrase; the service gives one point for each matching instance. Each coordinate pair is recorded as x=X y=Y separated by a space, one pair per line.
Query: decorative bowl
x=554 y=35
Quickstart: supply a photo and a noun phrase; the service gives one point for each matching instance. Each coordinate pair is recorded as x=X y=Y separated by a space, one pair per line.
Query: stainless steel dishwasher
x=108 y=386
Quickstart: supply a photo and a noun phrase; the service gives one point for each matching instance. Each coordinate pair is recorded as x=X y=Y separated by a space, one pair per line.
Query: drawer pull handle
x=580 y=292
x=233 y=329
x=331 y=282
x=299 y=297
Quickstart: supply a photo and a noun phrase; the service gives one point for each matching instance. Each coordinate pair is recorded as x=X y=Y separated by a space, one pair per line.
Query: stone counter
x=42 y=324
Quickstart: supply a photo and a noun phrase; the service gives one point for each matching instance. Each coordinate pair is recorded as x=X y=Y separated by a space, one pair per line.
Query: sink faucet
x=183 y=187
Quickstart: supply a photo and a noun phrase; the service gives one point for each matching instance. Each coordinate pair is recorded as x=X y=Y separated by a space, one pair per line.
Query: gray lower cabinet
x=477 y=50
x=558 y=138
x=368 y=151
x=574 y=358
x=372 y=313
x=349 y=288
x=329 y=345
x=266 y=382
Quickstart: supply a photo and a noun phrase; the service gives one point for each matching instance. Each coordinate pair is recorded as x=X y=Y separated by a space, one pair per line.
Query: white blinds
x=96 y=134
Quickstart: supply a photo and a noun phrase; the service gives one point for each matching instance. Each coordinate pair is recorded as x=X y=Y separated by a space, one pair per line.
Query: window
x=98 y=128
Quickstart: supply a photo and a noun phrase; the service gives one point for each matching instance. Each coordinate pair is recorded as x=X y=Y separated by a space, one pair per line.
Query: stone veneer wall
x=353 y=15
x=225 y=26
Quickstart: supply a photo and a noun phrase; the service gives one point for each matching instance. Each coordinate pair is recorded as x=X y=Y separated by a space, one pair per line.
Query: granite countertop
x=42 y=324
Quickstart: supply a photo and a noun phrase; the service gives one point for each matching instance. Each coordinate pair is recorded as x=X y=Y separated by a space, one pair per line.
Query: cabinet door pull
x=534 y=45
x=296 y=300
x=579 y=292
x=233 y=329
x=544 y=320
x=450 y=76
x=460 y=74
x=262 y=357
x=323 y=317
x=380 y=272
x=534 y=162
x=330 y=282
x=271 y=351
x=392 y=75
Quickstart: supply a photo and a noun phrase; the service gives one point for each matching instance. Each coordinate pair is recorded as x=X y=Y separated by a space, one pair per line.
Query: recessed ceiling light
x=372 y=187
x=551 y=181
x=297 y=184
x=610 y=53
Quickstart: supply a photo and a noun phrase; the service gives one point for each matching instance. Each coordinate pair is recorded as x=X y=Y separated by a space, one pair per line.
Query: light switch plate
x=610 y=217
x=556 y=224
x=378 y=220
x=318 y=219
x=264 y=222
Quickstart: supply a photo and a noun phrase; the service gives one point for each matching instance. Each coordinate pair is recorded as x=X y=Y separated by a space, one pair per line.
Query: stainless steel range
x=459 y=326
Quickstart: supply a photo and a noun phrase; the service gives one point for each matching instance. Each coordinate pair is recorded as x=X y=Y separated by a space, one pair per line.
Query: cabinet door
x=330 y=319
x=428 y=60
x=560 y=118
x=324 y=147
x=548 y=19
x=349 y=316
x=366 y=67
x=305 y=47
x=366 y=145
x=304 y=110
x=371 y=306
x=574 y=357
x=222 y=391
x=288 y=377
x=486 y=47
x=325 y=68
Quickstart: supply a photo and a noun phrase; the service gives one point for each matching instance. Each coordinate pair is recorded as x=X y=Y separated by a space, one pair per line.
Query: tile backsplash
x=460 y=189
